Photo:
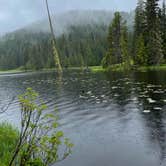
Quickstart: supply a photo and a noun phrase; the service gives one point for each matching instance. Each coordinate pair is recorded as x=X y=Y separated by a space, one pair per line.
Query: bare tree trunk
x=55 y=51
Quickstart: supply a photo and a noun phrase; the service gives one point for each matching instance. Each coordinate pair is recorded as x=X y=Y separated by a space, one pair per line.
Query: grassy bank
x=117 y=67
x=8 y=139
x=159 y=67
x=11 y=71
x=17 y=71
x=120 y=68
x=97 y=69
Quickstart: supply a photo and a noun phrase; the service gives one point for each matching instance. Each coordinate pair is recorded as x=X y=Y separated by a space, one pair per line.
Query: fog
x=15 y=14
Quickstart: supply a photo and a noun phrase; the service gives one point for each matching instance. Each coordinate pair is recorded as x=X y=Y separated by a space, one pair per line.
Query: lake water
x=114 y=119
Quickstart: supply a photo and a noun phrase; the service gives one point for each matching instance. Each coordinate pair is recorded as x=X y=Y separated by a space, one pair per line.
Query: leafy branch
x=39 y=141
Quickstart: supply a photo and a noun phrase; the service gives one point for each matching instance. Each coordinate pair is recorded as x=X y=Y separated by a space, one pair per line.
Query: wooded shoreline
x=92 y=69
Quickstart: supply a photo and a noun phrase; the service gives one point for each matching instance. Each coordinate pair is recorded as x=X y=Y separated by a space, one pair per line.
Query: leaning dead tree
x=55 y=51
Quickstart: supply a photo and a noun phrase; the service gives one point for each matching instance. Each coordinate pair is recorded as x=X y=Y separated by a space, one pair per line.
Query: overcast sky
x=15 y=14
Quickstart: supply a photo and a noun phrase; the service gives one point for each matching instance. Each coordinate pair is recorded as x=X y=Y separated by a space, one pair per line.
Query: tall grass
x=8 y=139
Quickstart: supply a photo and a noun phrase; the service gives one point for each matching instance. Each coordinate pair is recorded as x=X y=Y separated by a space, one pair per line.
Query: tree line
x=93 y=44
x=148 y=43
x=81 y=46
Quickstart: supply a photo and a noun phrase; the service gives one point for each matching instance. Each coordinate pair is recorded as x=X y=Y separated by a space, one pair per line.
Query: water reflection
x=156 y=132
x=112 y=118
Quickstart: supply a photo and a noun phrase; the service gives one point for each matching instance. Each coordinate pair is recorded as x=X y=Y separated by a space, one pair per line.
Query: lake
x=114 y=119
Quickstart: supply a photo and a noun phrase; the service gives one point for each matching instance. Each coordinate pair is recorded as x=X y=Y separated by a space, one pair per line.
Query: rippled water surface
x=113 y=119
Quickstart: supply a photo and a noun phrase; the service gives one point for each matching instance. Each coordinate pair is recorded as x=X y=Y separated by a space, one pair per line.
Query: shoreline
x=92 y=69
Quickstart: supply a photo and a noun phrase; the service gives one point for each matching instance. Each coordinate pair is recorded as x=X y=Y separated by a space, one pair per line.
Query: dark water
x=113 y=119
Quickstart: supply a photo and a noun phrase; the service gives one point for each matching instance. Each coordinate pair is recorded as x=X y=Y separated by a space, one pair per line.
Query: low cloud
x=18 y=13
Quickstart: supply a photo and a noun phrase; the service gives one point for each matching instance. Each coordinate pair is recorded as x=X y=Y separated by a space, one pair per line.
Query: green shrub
x=39 y=140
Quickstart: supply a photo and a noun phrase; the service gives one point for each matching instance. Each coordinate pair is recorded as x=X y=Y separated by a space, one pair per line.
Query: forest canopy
x=135 y=38
x=79 y=43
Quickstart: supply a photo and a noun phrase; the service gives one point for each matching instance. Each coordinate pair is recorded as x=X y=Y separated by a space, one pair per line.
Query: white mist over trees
x=81 y=40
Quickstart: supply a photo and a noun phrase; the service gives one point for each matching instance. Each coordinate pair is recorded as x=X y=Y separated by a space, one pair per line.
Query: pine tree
x=153 y=36
x=116 y=32
x=114 y=40
x=139 y=24
x=163 y=27
x=139 y=29
x=124 y=45
x=108 y=59
x=141 y=58
x=117 y=43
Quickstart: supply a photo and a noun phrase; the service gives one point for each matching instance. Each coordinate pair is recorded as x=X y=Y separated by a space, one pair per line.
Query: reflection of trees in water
x=144 y=86
x=121 y=87
x=157 y=132
x=151 y=77
x=122 y=93
x=154 y=121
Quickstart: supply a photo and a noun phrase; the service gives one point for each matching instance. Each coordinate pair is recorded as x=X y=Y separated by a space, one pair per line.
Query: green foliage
x=153 y=35
x=140 y=19
x=97 y=69
x=82 y=45
x=108 y=59
x=141 y=56
x=139 y=28
x=87 y=45
x=148 y=38
x=8 y=138
x=118 y=51
x=149 y=33
x=163 y=28
x=39 y=140
x=124 y=46
x=115 y=35
x=154 y=48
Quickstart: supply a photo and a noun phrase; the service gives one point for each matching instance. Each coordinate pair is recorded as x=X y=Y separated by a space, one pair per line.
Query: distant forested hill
x=81 y=40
